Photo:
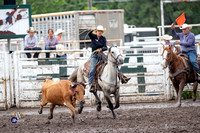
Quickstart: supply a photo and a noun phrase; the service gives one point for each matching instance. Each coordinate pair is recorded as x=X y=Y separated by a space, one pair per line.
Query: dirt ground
x=140 y=117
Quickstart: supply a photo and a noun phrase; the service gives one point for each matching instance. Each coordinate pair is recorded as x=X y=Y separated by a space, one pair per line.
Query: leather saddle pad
x=98 y=67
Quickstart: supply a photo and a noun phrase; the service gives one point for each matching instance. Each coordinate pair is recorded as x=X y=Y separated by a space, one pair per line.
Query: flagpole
x=162 y=17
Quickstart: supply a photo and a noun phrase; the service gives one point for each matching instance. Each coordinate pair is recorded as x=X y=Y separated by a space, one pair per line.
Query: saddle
x=188 y=67
x=98 y=68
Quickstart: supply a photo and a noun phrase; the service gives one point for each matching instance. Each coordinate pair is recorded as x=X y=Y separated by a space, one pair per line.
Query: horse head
x=115 y=56
x=167 y=56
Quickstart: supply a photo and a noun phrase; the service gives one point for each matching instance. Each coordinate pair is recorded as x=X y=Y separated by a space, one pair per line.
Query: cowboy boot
x=91 y=88
x=123 y=78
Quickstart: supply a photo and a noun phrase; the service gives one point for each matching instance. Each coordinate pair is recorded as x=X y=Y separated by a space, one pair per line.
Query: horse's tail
x=73 y=77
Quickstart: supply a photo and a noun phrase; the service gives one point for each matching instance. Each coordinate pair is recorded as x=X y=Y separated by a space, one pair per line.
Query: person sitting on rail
x=31 y=42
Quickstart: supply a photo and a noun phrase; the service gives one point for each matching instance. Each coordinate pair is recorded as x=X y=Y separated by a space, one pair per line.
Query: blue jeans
x=93 y=62
x=48 y=48
x=192 y=57
x=35 y=55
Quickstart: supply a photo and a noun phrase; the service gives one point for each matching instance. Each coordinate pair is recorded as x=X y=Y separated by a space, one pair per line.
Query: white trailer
x=77 y=24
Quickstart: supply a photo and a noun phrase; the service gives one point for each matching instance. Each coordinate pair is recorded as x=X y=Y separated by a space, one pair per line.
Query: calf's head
x=79 y=94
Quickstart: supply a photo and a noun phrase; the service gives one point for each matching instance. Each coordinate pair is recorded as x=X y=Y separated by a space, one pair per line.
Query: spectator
x=50 y=42
x=60 y=46
x=59 y=33
x=31 y=42
x=167 y=39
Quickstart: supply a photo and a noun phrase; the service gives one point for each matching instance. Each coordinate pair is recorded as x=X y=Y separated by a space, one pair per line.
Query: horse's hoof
x=114 y=117
x=194 y=99
x=50 y=117
x=116 y=107
x=177 y=105
x=99 y=108
x=40 y=111
x=80 y=110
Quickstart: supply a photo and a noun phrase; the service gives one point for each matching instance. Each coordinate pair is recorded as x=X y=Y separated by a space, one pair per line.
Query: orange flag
x=181 y=19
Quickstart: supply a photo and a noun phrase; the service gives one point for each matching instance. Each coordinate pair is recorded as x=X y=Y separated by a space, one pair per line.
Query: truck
x=77 y=25
x=140 y=37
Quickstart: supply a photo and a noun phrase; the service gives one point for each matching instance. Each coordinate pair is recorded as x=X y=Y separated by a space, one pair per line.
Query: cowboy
x=10 y=14
x=187 y=44
x=31 y=42
x=99 y=44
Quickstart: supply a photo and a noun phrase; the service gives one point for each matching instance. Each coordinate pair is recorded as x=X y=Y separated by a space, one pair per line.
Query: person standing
x=187 y=43
x=31 y=42
x=50 y=42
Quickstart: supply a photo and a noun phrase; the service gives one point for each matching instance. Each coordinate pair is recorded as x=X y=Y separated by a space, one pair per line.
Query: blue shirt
x=51 y=42
x=29 y=42
x=168 y=44
x=187 y=43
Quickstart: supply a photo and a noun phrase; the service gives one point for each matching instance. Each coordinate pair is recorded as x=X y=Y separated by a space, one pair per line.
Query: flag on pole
x=181 y=19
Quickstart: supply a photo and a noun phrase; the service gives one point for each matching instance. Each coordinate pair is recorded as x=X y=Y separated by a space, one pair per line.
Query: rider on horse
x=187 y=44
x=99 y=44
x=10 y=14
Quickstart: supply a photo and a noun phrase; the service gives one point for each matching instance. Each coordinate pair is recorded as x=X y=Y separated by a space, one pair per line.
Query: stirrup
x=91 y=88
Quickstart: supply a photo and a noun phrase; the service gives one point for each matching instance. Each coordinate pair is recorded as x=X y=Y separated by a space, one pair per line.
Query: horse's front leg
x=107 y=96
x=117 y=98
x=181 y=86
x=98 y=101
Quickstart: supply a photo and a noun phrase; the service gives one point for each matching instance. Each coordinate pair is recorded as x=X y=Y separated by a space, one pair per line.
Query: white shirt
x=29 y=42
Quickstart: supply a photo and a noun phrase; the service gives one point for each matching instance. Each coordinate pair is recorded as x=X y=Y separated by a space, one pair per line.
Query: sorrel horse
x=179 y=74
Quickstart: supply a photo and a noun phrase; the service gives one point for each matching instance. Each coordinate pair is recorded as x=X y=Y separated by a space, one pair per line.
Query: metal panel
x=5 y=86
x=113 y=22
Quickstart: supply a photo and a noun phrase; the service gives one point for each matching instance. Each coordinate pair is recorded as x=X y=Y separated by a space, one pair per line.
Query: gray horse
x=108 y=82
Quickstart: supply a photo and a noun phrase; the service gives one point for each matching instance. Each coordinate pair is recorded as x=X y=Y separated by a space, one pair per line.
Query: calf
x=58 y=93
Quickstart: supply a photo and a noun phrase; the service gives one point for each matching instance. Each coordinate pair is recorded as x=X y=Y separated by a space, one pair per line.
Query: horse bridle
x=116 y=62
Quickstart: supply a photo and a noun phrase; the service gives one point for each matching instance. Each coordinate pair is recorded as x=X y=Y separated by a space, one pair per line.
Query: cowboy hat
x=185 y=26
x=166 y=37
x=59 y=31
x=99 y=27
x=60 y=47
x=31 y=29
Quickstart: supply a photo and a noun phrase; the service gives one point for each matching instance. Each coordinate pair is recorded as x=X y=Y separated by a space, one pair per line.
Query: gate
x=6 y=80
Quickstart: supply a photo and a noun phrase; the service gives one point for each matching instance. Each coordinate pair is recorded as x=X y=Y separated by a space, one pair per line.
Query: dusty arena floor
x=142 y=117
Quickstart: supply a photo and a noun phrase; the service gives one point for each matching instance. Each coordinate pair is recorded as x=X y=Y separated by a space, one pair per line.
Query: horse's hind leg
x=110 y=105
x=98 y=101
x=195 y=90
x=117 y=98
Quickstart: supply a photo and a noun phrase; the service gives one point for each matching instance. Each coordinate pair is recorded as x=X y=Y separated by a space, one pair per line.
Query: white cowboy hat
x=185 y=26
x=166 y=37
x=60 y=47
x=99 y=27
x=31 y=29
x=59 y=31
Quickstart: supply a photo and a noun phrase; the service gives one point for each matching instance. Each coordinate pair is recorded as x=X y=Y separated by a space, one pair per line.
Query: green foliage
x=188 y=95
